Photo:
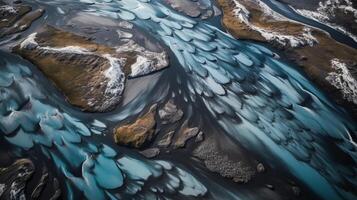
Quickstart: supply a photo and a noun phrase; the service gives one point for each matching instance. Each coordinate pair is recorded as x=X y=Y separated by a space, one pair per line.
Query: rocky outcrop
x=166 y=140
x=138 y=133
x=16 y=18
x=91 y=75
x=169 y=113
x=143 y=61
x=151 y=152
x=198 y=8
x=185 y=134
x=312 y=49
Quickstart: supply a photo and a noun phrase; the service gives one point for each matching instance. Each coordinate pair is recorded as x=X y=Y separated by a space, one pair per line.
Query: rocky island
x=189 y=99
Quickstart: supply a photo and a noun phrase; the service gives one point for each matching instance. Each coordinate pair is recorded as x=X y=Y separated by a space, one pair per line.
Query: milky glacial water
x=262 y=103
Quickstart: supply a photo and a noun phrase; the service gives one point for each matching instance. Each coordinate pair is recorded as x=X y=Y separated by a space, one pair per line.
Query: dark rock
x=166 y=140
x=260 y=168
x=199 y=137
x=170 y=113
x=184 y=135
x=150 y=153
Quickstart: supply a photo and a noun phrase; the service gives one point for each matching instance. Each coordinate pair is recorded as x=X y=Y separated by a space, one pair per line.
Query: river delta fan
x=195 y=114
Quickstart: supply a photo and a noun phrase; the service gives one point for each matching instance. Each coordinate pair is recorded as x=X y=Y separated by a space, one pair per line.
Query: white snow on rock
x=67 y=49
x=146 y=61
x=141 y=66
x=116 y=77
x=29 y=42
x=305 y=38
x=327 y=11
x=343 y=80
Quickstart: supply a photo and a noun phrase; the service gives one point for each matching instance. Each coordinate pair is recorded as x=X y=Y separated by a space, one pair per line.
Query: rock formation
x=92 y=76
x=139 y=132
x=169 y=113
x=16 y=18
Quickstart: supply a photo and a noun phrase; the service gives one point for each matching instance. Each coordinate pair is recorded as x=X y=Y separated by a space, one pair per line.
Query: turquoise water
x=262 y=103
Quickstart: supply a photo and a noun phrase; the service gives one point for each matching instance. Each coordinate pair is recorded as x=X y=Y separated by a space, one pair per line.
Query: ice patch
x=343 y=80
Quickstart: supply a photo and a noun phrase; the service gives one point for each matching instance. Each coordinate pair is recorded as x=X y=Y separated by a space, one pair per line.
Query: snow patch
x=29 y=42
x=115 y=76
x=68 y=50
x=141 y=67
x=146 y=61
x=343 y=80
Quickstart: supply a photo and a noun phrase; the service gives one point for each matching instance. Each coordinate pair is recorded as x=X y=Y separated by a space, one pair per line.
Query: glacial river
x=260 y=102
